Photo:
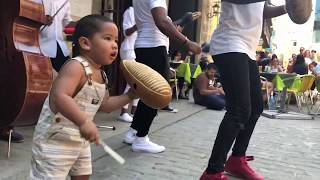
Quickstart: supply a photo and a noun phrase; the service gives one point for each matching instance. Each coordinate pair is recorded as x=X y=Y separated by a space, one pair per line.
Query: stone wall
x=207 y=24
x=80 y=8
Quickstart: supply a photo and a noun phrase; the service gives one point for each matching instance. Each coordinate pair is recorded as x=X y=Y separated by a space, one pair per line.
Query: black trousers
x=156 y=58
x=59 y=60
x=239 y=76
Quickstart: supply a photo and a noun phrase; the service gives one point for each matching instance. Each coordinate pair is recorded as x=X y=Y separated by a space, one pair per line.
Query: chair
x=265 y=88
x=316 y=95
x=174 y=81
x=301 y=89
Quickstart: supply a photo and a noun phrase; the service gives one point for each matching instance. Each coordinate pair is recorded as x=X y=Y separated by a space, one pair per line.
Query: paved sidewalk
x=284 y=149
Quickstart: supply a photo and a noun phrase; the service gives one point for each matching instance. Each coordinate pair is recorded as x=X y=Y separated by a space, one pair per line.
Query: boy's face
x=104 y=44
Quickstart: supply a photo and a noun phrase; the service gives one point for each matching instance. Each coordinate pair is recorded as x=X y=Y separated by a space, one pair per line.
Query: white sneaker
x=143 y=144
x=125 y=117
x=130 y=136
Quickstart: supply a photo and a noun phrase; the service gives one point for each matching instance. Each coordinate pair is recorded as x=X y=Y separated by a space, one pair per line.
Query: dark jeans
x=59 y=60
x=241 y=83
x=215 y=102
x=156 y=58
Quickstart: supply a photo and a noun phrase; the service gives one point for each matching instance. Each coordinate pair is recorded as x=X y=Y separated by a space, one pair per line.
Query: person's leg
x=134 y=106
x=124 y=115
x=242 y=140
x=189 y=87
x=59 y=60
x=215 y=102
x=82 y=167
x=180 y=87
x=156 y=58
x=234 y=72
x=237 y=163
x=125 y=107
x=15 y=136
x=128 y=55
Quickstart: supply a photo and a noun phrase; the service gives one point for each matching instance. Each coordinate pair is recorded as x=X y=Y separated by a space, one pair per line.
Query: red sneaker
x=239 y=167
x=216 y=176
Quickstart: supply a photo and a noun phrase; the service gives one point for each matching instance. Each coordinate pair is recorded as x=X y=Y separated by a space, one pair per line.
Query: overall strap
x=86 y=67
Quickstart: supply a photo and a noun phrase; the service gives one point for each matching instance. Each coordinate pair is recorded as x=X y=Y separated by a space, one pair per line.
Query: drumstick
x=9 y=143
x=112 y=153
x=107 y=127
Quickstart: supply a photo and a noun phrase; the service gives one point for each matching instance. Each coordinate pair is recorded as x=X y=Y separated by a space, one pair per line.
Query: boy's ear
x=84 y=43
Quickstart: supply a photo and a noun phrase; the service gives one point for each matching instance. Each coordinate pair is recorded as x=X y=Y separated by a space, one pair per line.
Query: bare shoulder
x=72 y=68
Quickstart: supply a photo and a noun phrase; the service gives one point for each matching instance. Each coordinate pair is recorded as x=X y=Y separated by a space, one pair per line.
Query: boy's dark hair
x=211 y=66
x=87 y=27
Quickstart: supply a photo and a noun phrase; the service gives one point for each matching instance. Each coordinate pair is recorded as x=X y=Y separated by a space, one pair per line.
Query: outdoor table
x=188 y=71
x=282 y=81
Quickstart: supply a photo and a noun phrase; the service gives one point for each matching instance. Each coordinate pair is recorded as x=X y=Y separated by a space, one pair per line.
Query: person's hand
x=132 y=95
x=221 y=91
x=196 y=15
x=48 y=20
x=89 y=131
x=193 y=47
x=179 y=28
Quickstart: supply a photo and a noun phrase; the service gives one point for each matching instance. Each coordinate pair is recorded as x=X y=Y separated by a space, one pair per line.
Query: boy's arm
x=63 y=88
x=271 y=11
x=113 y=103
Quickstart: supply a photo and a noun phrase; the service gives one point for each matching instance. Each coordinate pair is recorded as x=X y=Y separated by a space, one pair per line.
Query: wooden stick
x=107 y=127
x=112 y=153
x=9 y=143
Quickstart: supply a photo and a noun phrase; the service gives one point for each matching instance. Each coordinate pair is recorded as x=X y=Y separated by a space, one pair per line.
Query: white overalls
x=58 y=149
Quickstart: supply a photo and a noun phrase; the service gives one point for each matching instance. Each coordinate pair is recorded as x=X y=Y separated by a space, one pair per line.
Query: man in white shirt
x=233 y=47
x=127 y=53
x=151 y=48
x=52 y=42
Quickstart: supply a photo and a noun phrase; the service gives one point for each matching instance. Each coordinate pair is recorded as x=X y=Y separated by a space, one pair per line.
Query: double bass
x=25 y=74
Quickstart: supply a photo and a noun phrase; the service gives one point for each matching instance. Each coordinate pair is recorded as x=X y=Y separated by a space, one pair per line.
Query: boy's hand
x=89 y=131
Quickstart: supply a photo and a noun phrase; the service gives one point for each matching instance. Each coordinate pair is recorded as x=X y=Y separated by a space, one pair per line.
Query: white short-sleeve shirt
x=239 y=29
x=148 y=33
x=127 y=46
x=52 y=34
